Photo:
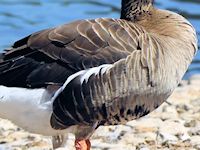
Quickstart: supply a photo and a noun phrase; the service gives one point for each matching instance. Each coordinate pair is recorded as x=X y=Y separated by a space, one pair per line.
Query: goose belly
x=29 y=109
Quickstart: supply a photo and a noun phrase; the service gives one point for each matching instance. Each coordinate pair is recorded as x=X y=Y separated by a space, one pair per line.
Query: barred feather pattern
x=134 y=9
x=131 y=87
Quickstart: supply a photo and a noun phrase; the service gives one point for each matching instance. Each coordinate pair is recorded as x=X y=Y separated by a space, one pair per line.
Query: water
x=19 y=18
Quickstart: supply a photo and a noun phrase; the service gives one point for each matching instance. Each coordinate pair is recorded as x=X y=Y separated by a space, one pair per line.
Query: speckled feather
x=110 y=70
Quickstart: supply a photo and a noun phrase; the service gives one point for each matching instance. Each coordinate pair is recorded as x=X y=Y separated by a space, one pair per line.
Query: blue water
x=19 y=18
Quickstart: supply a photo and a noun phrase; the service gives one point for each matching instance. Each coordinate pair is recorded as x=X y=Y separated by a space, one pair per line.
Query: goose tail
x=14 y=72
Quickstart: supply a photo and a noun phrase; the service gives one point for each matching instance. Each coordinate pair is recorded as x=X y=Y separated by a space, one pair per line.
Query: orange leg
x=82 y=144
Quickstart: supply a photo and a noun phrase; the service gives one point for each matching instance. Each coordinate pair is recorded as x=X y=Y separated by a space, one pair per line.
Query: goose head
x=160 y=23
x=135 y=9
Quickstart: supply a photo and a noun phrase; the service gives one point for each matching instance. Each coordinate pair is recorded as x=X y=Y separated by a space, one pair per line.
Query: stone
x=194 y=131
x=191 y=123
x=195 y=79
x=167 y=137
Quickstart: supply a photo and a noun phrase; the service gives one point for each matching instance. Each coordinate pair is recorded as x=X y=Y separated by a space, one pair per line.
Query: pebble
x=195 y=80
x=194 y=131
x=166 y=137
x=191 y=123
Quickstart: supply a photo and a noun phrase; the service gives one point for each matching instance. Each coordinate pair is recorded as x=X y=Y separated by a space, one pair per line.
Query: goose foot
x=82 y=144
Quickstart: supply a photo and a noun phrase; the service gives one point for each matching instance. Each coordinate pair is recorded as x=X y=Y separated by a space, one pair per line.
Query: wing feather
x=73 y=47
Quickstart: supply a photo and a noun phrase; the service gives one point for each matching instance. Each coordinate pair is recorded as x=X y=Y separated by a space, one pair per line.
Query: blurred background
x=19 y=18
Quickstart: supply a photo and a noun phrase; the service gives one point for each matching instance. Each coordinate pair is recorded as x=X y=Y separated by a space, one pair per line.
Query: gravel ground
x=173 y=126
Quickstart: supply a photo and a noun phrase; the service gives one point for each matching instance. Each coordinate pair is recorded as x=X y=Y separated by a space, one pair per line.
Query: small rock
x=3 y=142
x=131 y=138
x=195 y=80
x=184 y=137
x=183 y=83
x=144 y=148
x=150 y=141
x=197 y=147
x=194 y=131
x=182 y=108
x=196 y=102
x=191 y=123
x=167 y=137
x=173 y=127
x=195 y=140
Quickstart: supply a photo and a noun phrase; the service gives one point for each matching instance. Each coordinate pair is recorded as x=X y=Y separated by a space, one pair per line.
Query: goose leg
x=82 y=144
x=58 y=141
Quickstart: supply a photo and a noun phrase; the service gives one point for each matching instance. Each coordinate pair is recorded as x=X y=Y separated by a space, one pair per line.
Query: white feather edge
x=85 y=75
x=31 y=109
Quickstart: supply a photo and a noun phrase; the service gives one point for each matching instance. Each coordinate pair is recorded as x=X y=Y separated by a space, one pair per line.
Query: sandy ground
x=173 y=126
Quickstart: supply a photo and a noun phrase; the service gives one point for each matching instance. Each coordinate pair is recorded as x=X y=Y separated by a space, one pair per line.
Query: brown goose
x=78 y=76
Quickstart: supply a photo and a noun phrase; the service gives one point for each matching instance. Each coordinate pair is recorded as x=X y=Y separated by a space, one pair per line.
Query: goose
x=95 y=72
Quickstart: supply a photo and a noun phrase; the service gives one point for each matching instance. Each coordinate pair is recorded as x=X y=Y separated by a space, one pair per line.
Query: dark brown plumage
x=110 y=70
x=69 y=48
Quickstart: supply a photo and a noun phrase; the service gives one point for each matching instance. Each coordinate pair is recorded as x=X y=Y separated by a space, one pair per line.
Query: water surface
x=19 y=18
